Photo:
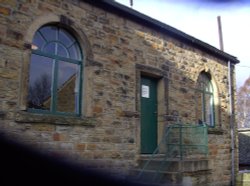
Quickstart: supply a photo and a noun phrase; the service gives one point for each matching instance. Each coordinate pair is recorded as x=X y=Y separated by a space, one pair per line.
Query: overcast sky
x=198 y=18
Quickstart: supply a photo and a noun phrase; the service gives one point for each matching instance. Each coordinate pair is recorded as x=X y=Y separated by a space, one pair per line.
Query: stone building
x=97 y=81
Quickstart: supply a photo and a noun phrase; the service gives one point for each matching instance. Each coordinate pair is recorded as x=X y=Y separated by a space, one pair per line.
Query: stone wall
x=116 y=52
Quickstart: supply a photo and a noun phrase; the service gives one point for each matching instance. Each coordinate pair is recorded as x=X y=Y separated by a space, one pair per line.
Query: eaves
x=121 y=10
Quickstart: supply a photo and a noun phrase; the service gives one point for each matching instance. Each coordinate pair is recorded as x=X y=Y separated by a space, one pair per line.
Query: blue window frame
x=55 y=72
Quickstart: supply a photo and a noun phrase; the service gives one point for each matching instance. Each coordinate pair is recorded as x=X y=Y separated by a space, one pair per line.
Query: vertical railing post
x=181 y=145
x=206 y=139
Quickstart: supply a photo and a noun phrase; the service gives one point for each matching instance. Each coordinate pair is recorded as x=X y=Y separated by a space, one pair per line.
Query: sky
x=198 y=18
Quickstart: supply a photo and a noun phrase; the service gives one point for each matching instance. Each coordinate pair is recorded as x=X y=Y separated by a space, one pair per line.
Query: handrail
x=168 y=129
x=179 y=140
x=185 y=138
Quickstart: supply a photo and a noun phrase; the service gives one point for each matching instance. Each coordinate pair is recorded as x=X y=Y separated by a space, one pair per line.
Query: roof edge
x=141 y=18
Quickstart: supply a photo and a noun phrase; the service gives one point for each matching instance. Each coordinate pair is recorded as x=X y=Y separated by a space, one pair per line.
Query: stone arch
x=77 y=31
x=206 y=70
x=64 y=22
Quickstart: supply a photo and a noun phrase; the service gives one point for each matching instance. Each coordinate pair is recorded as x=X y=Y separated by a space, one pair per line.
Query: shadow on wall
x=25 y=166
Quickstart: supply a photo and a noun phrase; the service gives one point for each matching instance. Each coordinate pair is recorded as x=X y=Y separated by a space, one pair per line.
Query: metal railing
x=179 y=142
x=187 y=141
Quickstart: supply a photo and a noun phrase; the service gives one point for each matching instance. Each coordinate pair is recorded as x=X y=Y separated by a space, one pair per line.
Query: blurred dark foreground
x=21 y=165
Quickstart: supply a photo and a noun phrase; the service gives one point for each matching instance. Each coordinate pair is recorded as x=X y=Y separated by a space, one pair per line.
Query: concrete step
x=171 y=172
x=153 y=177
x=174 y=165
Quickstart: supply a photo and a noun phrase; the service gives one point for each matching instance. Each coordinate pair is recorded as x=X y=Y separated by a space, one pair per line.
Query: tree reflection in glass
x=67 y=87
x=55 y=71
x=40 y=82
x=205 y=100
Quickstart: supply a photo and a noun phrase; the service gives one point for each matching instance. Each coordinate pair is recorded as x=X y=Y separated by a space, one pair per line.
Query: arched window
x=205 y=100
x=55 y=72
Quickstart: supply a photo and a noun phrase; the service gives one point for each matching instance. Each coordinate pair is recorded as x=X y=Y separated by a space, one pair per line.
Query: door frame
x=162 y=99
x=149 y=120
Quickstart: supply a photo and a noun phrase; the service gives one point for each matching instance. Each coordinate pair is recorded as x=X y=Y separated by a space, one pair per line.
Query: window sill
x=216 y=131
x=27 y=117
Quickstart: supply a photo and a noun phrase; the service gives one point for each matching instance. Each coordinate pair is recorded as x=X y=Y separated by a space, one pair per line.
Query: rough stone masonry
x=118 y=48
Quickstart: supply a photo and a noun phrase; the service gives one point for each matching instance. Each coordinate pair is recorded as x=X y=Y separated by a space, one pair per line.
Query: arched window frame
x=205 y=95
x=57 y=59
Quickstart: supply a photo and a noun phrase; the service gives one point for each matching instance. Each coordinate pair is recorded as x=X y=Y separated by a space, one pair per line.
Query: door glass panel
x=67 y=87
x=39 y=94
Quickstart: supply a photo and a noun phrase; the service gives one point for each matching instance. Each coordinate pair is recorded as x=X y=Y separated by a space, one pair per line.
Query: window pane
x=68 y=87
x=208 y=87
x=49 y=33
x=199 y=106
x=54 y=85
x=65 y=38
x=74 y=52
x=38 y=40
x=62 y=51
x=50 y=48
x=39 y=95
x=205 y=107
x=209 y=109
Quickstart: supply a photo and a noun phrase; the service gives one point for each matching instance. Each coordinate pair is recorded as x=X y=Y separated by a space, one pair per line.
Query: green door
x=148 y=115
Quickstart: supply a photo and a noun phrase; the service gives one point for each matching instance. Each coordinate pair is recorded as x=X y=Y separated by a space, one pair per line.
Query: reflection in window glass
x=50 y=48
x=39 y=40
x=49 y=33
x=39 y=94
x=205 y=100
x=66 y=38
x=207 y=109
x=55 y=71
x=62 y=51
x=67 y=87
x=75 y=52
x=199 y=105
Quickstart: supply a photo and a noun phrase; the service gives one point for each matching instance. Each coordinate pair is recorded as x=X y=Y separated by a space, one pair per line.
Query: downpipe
x=231 y=120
